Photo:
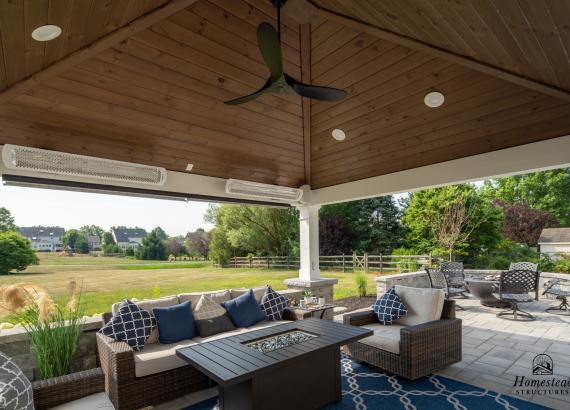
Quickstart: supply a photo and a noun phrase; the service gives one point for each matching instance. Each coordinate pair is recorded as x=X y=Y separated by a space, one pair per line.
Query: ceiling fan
x=269 y=41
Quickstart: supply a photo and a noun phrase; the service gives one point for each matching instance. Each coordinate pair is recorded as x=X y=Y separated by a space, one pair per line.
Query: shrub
x=406 y=264
x=16 y=253
x=361 y=283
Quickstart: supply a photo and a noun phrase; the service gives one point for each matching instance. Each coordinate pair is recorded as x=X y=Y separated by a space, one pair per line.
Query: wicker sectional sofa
x=407 y=349
x=155 y=374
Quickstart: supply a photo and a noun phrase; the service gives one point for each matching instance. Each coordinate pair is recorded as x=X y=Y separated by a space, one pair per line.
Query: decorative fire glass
x=280 y=341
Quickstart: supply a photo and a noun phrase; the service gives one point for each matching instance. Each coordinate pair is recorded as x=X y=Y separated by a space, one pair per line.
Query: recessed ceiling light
x=46 y=33
x=189 y=167
x=338 y=134
x=434 y=99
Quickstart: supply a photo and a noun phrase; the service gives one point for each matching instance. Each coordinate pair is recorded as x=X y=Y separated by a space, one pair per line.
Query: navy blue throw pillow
x=273 y=304
x=389 y=307
x=244 y=310
x=131 y=324
x=175 y=323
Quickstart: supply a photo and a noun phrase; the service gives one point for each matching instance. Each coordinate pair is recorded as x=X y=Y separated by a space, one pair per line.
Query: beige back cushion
x=148 y=305
x=219 y=296
x=257 y=292
x=423 y=304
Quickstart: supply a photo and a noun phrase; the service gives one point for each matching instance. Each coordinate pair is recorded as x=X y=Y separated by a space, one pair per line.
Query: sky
x=33 y=206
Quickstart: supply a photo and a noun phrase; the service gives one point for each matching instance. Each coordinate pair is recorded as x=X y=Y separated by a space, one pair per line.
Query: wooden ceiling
x=155 y=96
x=527 y=37
x=82 y=22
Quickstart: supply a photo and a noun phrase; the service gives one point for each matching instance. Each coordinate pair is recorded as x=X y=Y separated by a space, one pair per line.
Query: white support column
x=309 y=242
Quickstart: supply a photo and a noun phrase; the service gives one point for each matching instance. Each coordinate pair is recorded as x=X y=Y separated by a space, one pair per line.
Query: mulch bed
x=355 y=302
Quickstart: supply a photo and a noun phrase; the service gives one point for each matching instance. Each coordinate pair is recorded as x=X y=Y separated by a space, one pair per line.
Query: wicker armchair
x=59 y=390
x=128 y=392
x=423 y=348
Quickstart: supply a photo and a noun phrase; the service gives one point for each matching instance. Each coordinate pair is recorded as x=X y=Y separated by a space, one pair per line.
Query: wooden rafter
x=441 y=53
x=95 y=48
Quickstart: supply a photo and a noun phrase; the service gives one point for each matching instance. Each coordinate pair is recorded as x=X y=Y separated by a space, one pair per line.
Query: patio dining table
x=485 y=290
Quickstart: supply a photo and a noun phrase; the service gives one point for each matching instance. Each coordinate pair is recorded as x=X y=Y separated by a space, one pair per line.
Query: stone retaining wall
x=16 y=344
x=420 y=279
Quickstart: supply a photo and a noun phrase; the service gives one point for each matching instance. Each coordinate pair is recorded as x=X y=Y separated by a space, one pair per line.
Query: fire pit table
x=291 y=366
x=484 y=290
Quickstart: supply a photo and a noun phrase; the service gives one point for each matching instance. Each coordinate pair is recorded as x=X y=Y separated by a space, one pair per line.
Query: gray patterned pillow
x=15 y=389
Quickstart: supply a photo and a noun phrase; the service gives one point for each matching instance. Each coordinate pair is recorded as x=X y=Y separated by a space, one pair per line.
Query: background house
x=554 y=241
x=126 y=238
x=94 y=242
x=44 y=238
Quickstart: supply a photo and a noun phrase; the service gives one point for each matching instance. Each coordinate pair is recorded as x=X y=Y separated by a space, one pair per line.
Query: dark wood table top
x=228 y=360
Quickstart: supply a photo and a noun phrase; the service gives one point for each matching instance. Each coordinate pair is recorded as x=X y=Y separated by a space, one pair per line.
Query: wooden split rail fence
x=344 y=263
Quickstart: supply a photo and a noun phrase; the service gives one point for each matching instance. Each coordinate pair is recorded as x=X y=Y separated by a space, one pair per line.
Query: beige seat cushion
x=219 y=296
x=384 y=337
x=257 y=292
x=423 y=304
x=148 y=305
x=156 y=358
x=217 y=336
x=267 y=323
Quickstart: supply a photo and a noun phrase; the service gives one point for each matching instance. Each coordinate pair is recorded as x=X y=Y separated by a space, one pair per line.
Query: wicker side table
x=298 y=313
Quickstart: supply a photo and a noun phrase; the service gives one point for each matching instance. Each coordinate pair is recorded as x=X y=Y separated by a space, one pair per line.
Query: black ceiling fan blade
x=251 y=97
x=268 y=41
x=316 y=92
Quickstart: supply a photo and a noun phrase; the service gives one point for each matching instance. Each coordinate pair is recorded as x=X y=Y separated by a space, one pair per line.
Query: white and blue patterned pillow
x=389 y=307
x=273 y=304
x=130 y=324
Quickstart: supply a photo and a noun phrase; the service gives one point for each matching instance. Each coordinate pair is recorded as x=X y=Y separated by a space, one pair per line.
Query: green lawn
x=107 y=280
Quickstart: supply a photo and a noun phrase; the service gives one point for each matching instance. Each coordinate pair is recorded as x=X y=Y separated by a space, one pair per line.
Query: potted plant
x=308 y=296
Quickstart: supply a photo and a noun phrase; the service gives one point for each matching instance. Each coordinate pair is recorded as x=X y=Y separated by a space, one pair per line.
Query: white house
x=44 y=238
x=126 y=238
x=554 y=241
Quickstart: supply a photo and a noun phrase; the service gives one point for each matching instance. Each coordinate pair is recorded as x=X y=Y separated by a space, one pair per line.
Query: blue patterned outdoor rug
x=364 y=388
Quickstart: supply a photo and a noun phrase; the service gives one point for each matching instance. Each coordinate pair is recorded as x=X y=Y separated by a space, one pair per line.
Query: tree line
x=486 y=225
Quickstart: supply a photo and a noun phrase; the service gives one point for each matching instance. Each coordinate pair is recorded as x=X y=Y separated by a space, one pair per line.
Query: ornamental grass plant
x=53 y=329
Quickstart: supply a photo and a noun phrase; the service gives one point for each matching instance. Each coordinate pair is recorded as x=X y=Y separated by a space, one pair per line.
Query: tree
x=16 y=252
x=160 y=233
x=107 y=239
x=81 y=245
x=152 y=246
x=198 y=243
x=220 y=247
x=372 y=225
x=259 y=230
x=92 y=230
x=547 y=191
x=6 y=221
x=174 y=247
x=76 y=240
x=335 y=236
x=452 y=219
x=523 y=224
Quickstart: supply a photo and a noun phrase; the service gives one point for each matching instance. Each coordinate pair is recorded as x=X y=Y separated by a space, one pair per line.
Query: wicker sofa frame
x=423 y=348
x=128 y=392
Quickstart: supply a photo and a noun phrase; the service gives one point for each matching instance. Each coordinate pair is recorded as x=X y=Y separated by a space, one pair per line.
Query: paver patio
x=495 y=350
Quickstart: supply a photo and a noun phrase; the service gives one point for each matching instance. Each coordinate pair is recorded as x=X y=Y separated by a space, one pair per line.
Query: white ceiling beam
x=538 y=156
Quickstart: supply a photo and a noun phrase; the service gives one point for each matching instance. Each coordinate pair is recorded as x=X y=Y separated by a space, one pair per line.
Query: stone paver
x=496 y=350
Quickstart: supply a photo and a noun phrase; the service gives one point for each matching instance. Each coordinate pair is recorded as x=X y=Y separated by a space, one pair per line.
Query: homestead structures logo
x=543 y=382
x=542 y=365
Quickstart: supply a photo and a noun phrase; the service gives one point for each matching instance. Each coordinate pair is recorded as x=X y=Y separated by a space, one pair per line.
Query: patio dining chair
x=515 y=287
x=438 y=280
x=560 y=289
x=455 y=274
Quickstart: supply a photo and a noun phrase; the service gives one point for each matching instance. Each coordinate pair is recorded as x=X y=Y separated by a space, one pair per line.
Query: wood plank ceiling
x=157 y=97
x=527 y=37
x=82 y=22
